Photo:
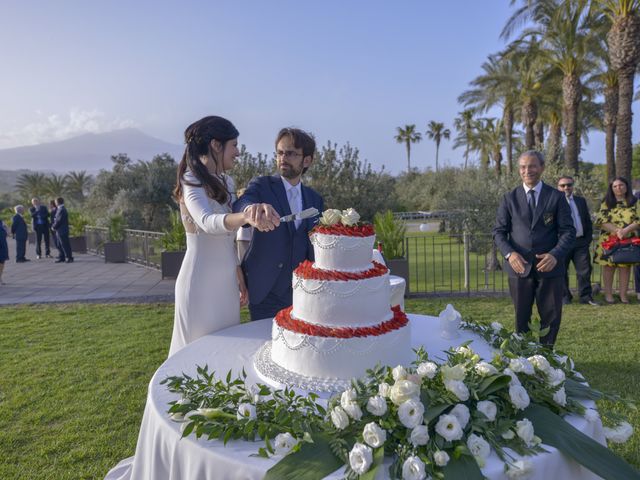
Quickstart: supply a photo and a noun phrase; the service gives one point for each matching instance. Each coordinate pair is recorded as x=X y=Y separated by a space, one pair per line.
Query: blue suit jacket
x=272 y=256
x=61 y=221
x=550 y=231
x=19 y=227
x=39 y=213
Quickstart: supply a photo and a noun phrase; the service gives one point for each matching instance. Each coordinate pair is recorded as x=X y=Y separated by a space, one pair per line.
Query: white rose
x=564 y=360
x=560 y=397
x=427 y=369
x=496 y=327
x=465 y=351
x=348 y=396
x=419 y=435
x=449 y=428
x=246 y=410
x=591 y=415
x=485 y=369
x=353 y=410
x=540 y=362
x=377 y=406
x=339 y=418
x=520 y=469
x=519 y=397
x=478 y=446
x=360 y=458
x=411 y=413
x=461 y=412
x=373 y=435
x=403 y=390
x=457 y=372
x=441 y=458
x=555 y=376
x=330 y=217
x=523 y=365
x=508 y=435
x=488 y=409
x=413 y=469
x=399 y=373
x=384 y=390
x=514 y=378
x=350 y=217
x=458 y=388
x=283 y=443
x=524 y=429
x=620 y=434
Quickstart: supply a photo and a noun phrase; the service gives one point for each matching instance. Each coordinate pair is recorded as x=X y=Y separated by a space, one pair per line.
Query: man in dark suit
x=40 y=224
x=579 y=253
x=61 y=226
x=19 y=232
x=534 y=232
x=272 y=256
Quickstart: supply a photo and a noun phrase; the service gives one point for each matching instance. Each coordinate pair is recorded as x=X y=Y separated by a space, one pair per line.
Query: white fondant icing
x=342 y=303
x=340 y=252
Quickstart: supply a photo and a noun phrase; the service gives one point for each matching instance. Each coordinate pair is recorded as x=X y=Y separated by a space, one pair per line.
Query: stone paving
x=87 y=279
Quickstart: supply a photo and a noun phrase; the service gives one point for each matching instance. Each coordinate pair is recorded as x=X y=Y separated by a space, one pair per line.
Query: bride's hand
x=262 y=216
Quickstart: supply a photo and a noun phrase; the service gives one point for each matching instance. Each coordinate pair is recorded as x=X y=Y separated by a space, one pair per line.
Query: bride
x=210 y=286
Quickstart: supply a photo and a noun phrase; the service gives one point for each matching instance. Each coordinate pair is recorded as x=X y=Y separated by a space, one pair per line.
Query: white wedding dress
x=207 y=294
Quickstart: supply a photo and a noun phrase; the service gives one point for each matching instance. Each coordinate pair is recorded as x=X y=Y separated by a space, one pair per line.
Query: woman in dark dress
x=4 y=248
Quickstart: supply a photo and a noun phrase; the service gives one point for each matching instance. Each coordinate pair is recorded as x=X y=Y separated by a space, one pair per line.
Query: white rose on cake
x=330 y=217
x=350 y=217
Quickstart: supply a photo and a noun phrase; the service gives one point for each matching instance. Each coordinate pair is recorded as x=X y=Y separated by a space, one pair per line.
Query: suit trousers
x=581 y=258
x=271 y=305
x=64 y=247
x=547 y=293
x=42 y=231
x=636 y=278
x=21 y=249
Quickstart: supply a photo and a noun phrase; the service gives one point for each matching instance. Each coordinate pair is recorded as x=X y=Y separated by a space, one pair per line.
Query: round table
x=162 y=454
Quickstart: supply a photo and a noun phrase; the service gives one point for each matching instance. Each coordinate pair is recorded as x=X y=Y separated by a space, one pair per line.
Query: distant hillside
x=91 y=152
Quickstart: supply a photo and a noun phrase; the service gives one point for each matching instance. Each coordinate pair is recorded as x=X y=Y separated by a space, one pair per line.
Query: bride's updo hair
x=198 y=137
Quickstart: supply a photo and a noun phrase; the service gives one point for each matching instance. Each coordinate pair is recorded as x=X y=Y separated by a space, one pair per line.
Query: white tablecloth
x=398 y=286
x=162 y=455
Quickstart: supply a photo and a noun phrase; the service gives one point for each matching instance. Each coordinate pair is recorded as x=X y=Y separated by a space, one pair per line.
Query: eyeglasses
x=288 y=154
x=564 y=185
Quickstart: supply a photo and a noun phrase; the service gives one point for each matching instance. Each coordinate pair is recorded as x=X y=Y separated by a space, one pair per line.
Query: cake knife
x=308 y=213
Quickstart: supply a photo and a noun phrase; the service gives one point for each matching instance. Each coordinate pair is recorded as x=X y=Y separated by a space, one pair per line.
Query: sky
x=347 y=71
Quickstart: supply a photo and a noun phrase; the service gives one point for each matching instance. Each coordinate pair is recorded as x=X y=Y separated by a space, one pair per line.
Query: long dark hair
x=610 y=197
x=198 y=137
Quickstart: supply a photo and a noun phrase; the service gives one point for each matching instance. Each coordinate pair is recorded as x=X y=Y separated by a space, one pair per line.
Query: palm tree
x=55 y=185
x=78 y=185
x=498 y=85
x=464 y=125
x=436 y=132
x=31 y=185
x=624 y=53
x=408 y=135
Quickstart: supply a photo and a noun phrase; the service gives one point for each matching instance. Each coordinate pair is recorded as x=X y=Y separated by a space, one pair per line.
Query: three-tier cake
x=341 y=322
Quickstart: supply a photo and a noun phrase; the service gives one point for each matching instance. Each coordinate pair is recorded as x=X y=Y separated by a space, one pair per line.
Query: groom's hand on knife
x=262 y=216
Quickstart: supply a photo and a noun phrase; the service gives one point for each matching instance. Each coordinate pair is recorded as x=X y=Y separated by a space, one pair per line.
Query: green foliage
x=77 y=222
x=248 y=166
x=117 y=227
x=390 y=232
x=175 y=237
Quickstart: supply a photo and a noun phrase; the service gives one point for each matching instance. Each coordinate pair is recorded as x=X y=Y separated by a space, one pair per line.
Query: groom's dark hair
x=301 y=139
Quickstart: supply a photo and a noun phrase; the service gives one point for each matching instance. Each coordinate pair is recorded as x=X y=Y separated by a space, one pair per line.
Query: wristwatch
x=506 y=257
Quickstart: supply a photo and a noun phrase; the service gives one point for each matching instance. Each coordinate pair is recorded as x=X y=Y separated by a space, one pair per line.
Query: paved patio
x=87 y=279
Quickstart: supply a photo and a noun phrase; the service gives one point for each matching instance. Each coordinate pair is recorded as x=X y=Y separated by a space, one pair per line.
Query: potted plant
x=174 y=246
x=115 y=250
x=390 y=237
x=77 y=238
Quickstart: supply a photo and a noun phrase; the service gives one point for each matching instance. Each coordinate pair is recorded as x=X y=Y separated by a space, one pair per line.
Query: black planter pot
x=78 y=244
x=400 y=267
x=115 y=252
x=170 y=263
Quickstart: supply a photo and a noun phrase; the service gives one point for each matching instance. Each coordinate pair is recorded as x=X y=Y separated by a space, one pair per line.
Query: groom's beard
x=289 y=171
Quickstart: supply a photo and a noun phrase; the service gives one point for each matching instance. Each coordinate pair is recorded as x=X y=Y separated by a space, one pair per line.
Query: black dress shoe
x=60 y=260
x=70 y=260
x=566 y=300
x=590 y=301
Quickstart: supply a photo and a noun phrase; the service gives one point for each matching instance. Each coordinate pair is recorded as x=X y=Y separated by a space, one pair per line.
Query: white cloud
x=53 y=127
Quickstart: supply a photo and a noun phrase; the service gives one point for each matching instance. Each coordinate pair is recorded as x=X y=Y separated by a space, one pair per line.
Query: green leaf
x=581 y=390
x=434 y=411
x=463 y=467
x=314 y=461
x=493 y=384
x=554 y=431
x=378 y=458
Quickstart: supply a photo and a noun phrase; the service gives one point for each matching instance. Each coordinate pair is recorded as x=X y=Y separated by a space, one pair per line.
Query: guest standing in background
x=19 y=232
x=40 y=224
x=636 y=269
x=61 y=226
x=579 y=253
x=52 y=214
x=4 y=248
x=619 y=216
x=534 y=233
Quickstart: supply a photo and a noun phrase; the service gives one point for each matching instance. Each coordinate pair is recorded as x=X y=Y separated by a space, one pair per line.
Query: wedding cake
x=341 y=322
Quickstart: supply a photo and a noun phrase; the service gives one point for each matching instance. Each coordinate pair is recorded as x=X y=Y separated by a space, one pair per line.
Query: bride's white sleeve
x=197 y=203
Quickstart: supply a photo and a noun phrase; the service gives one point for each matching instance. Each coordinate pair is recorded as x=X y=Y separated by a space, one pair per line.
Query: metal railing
x=142 y=247
x=96 y=238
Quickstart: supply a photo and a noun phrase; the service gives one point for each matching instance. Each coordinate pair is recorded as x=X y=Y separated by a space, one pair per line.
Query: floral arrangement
x=343 y=222
x=434 y=420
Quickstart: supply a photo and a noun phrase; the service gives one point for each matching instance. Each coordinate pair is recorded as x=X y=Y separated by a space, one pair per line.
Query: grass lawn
x=74 y=378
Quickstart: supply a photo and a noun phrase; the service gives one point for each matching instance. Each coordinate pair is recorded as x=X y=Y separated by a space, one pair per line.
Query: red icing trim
x=364 y=230
x=284 y=320
x=306 y=271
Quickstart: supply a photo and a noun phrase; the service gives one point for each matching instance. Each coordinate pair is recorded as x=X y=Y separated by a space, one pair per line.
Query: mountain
x=90 y=151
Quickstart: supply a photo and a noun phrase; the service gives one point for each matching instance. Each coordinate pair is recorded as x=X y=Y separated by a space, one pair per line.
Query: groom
x=272 y=256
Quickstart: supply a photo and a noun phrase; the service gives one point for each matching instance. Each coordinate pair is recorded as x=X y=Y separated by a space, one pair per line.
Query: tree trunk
x=491 y=260
x=571 y=95
x=507 y=117
x=539 y=134
x=624 y=148
x=610 y=113
x=497 y=158
x=529 y=116
x=554 y=142
x=408 y=158
x=437 y=148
